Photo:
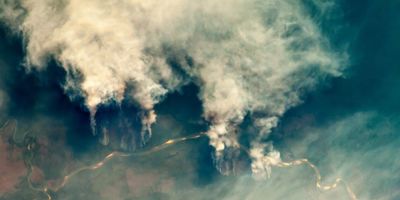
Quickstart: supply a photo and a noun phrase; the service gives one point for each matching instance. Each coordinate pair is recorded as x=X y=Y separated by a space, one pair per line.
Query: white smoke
x=246 y=56
x=263 y=162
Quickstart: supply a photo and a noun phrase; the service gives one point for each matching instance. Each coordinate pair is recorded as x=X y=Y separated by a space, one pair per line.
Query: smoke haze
x=282 y=79
x=247 y=57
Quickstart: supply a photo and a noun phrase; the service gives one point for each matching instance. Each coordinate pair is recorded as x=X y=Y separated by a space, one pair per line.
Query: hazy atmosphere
x=180 y=99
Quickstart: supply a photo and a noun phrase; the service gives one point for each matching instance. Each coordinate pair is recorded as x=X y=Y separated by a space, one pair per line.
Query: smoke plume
x=248 y=58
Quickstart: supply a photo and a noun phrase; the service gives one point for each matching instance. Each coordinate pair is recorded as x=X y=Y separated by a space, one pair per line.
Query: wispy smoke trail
x=246 y=56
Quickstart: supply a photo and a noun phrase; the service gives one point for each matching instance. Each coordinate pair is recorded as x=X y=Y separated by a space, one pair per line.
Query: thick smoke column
x=246 y=56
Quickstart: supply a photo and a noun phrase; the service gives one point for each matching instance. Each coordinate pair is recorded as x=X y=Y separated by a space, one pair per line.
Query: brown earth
x=12 y=167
